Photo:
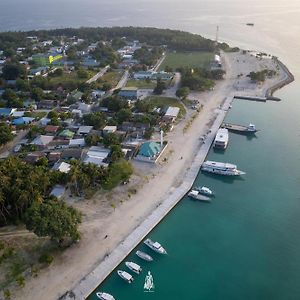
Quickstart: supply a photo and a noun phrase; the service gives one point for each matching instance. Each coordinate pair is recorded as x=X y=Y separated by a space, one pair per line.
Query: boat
x=221 y=168
x=250 y=129
x=196 y=195
x=221 y=139
x=143 y=255
x=250 y=24
x=155 y=246
x=126 y=276
x=205 y=191
x=105 y=296
x=133 y=267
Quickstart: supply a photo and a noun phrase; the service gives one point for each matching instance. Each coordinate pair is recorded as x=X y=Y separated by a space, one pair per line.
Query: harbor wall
x=90 y=282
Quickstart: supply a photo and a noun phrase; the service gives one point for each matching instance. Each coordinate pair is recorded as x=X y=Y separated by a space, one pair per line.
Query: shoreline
x=90 y=282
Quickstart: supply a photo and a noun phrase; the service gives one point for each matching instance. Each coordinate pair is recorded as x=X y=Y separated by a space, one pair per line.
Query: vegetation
x=5 y=133
x=261 y=75
x=176 y=60
x=141 y=84
x=182 y=92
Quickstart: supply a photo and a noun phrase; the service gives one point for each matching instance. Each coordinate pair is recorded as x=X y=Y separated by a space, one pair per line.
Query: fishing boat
x=143 y=255
x=133 y=267
x=221 y=139
x=126 y=276
x=155 y=246
x=250 y=129
x=205 y=191
x=105 y=296
x=221 y=168
x=196 y=195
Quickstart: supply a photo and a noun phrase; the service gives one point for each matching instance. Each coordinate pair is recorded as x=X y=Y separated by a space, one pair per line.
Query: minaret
x=161 y=139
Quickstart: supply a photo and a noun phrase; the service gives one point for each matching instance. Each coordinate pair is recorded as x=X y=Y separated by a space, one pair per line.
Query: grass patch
x=187 y=59
x=157 y=101
x=141 y=84
x=67 y=77
x=111 y=77
x=36 y=114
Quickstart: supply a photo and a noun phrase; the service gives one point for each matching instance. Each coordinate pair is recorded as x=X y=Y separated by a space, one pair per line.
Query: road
x=122 y=81
x=156 y=67
x=171 y=92
x=98 y=75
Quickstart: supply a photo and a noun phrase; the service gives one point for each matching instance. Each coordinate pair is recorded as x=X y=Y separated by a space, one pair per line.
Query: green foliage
x=261 y=75
x=119 y=171
x=37 y=94
x=20 y=281
x=92 y=140
x=182 y=92
x=7 y=294
x=46 y=259
x=148 y=56
x=82 y=73
x=5 y=133
x=54 y=219
x=116 y=153
x=97 y=119
x=111 y=139
x=114 y=103
x=160 y=86
x=123 y=115
x=12 y=71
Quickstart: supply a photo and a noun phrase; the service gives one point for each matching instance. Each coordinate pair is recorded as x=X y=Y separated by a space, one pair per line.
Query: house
x=90 y=63
x=33 y=157
x=97 y=155
x=51 y=129
x=77 y=143
x=6 y=112
x=38 y=71
x=76 y=96
x=62 y=167
x=77 y=113
x=42 y=141
x=58 y=144
x=54 y=156
x=75 y=153
x=45 y=121
x=129 y=93
x=18 y=114
x=67 y=134
x=84 y=130
x=109 y=129
x=171 y=113
x=30 y=104
x=149 y=151
x=96 y=94
x=47 y=104
x=85 y=108
x=139 y=128
x=58 y=191
x=23 y=121
x=141 y=75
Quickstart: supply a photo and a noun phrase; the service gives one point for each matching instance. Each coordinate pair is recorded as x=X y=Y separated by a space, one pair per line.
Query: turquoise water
x=245 y=244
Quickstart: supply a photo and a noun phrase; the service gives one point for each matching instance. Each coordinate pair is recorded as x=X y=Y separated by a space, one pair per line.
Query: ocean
x=246 y=243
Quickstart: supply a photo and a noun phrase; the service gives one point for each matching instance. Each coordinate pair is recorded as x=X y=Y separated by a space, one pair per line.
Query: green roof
x=67 y=133
x=149 y=149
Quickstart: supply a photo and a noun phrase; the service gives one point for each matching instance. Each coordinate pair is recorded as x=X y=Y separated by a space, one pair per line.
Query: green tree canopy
x=5 y=134
x=182 y=92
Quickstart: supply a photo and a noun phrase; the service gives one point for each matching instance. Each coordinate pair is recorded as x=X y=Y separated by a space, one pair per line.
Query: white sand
x=101 y=219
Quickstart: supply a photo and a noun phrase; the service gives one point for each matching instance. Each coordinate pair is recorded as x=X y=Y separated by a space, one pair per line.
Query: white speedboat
x=143 y=255
x=196 y=195
x=205 y=191
x=133 y=267
x=105 y=296
x=221 y=139
x=155 y=246
x=221 y=168
x=126 y=276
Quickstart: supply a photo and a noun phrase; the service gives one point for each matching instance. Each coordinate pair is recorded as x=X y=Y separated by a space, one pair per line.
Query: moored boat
x=155 y=246
x=126 y=276
x=196 y=195
x=143 y=255
x=133 y=267
x=221 y=139
x=105 y=296
x=205 y=191
x=221 y=168
x=241 y=129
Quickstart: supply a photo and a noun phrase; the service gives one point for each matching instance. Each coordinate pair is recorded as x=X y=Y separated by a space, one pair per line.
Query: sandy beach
x=115 y=214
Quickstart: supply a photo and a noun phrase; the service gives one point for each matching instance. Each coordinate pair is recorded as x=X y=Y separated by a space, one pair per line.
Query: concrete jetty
x=90 y=282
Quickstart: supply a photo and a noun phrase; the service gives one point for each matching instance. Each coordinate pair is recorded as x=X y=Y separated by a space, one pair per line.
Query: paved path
x=98 y=75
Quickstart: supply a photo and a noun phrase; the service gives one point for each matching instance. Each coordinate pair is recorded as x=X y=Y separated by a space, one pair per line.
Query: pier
x=90 y=282
x=258 y=99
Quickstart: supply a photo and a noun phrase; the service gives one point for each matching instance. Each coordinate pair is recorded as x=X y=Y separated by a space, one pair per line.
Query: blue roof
x=5 y=112
x=22 y=120
x=149 y=149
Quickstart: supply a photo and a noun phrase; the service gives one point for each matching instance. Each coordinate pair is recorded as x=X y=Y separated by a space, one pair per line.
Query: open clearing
x=187 y=59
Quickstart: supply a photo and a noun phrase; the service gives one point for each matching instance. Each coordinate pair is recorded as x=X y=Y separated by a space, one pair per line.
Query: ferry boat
x=196 y=195
x=221 y=168
x=155 y=246
x=133 y=267
x=143 y=255
x=205 y=191
x=126 y=276
x=105 y=296
x=221 y=139
x=250 y=129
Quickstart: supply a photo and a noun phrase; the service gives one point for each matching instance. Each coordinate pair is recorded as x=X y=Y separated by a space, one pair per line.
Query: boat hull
x=144 y=256
x=221 y=172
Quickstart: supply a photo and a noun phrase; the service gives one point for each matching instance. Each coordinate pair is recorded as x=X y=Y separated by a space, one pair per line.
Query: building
x=62 y=167
x=42 y=141
x=84 y=130
x=84 y=107
x=47 y=104
x=171 y=113
x=77 y=143
x=129 y=93
x=149 y=151
x=33 y=157
x=58 y=191
x=67 y=134
x=75 y=153
x=143 y=75
x=97 y=155
x=51 y=129
x=23 y=121
x=6 y=112
x=109 y=129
